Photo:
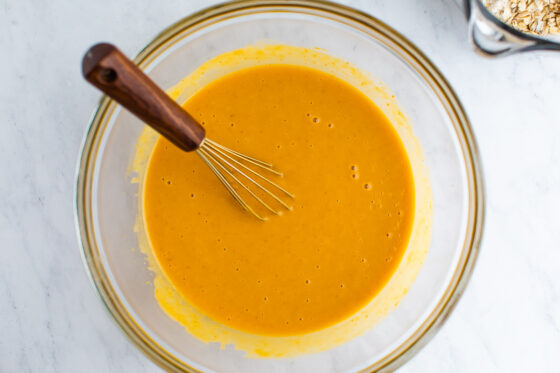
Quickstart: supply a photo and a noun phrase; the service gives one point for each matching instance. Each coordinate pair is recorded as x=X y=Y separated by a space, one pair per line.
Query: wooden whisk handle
x=107 y=68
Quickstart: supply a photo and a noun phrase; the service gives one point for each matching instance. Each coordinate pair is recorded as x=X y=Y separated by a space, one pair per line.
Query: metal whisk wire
x=224 y=161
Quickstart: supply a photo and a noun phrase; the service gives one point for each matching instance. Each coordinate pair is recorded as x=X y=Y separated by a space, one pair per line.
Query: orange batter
x=311 y=267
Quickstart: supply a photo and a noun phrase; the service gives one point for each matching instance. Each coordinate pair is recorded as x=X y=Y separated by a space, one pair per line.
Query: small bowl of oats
x=503 y=27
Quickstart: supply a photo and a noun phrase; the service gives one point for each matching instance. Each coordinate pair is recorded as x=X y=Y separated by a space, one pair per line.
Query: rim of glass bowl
x=354 y=19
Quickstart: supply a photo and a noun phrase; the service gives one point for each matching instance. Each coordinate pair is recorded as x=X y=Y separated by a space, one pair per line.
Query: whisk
x=107 y=68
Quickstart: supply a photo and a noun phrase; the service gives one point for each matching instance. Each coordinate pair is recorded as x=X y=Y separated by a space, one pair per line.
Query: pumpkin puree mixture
x=352 y=214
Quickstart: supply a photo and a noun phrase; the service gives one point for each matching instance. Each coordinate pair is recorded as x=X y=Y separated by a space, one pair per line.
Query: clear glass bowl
x=107 y=202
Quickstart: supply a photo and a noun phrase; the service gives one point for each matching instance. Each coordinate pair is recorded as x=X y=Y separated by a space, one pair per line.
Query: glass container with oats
x=503 y=27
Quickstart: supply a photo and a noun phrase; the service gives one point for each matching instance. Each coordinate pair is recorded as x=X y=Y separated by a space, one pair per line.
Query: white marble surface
x=50 y=318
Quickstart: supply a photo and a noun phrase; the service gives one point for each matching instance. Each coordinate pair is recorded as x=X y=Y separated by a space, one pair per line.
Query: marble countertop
x=51 y=320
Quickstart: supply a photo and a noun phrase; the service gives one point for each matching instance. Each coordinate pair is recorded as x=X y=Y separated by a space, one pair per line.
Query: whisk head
x=234 y=170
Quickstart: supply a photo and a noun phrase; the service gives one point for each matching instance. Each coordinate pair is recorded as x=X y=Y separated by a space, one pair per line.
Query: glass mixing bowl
x=107 y=202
